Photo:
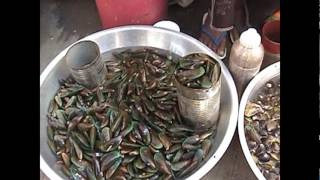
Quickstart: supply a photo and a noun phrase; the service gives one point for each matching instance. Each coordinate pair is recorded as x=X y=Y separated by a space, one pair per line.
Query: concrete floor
x=63 y=22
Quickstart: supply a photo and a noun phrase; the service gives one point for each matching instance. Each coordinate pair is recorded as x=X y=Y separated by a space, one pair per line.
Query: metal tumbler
x=85 y=63
x=200 y=107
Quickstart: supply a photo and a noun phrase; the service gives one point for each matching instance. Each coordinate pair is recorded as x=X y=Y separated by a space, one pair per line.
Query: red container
x=128 y=12
x=271 y=36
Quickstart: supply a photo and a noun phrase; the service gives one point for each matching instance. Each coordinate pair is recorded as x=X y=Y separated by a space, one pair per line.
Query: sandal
x=216 y=40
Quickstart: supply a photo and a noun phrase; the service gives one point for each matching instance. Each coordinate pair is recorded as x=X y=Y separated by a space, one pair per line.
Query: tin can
x=200 y=107
x=85 y=64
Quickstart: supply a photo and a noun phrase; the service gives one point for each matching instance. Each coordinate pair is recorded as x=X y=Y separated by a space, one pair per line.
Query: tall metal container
x=85 y=64
x=200 y=107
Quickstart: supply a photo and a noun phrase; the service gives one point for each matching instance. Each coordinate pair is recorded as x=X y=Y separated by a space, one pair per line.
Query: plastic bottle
x=246 y=58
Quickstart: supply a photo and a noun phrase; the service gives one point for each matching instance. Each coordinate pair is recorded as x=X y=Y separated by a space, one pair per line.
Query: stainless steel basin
x=272 y=72
x=132 y=36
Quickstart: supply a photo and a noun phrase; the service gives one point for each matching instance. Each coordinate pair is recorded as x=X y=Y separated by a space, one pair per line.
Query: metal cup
x=200 y=107
x=85 y=64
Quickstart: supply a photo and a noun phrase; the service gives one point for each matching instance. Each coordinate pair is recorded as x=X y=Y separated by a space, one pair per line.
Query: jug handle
x=169 y=25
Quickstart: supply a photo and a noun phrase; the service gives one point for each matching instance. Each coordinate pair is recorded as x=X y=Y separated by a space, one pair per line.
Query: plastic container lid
x=250 y=38
x=167 y=25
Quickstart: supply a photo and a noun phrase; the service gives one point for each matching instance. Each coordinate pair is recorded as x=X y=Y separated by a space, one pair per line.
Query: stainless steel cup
x=85 y=64
x=200 y=107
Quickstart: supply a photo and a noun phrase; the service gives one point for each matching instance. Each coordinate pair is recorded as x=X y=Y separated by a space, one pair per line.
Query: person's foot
x=234 y=35
x=213 y=38
x=241 y=16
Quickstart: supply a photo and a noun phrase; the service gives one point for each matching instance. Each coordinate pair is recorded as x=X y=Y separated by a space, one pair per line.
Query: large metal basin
x=272 y=72
x=130 y=36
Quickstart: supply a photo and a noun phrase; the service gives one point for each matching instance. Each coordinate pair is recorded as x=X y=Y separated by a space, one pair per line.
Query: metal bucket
x=200 y=107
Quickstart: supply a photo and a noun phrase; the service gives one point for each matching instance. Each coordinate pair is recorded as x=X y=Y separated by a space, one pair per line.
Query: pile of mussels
x=262 y=128
x=127 y=128
x=195 y=71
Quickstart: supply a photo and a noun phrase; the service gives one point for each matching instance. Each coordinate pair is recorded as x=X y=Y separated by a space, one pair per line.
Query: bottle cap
x=250 y=38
